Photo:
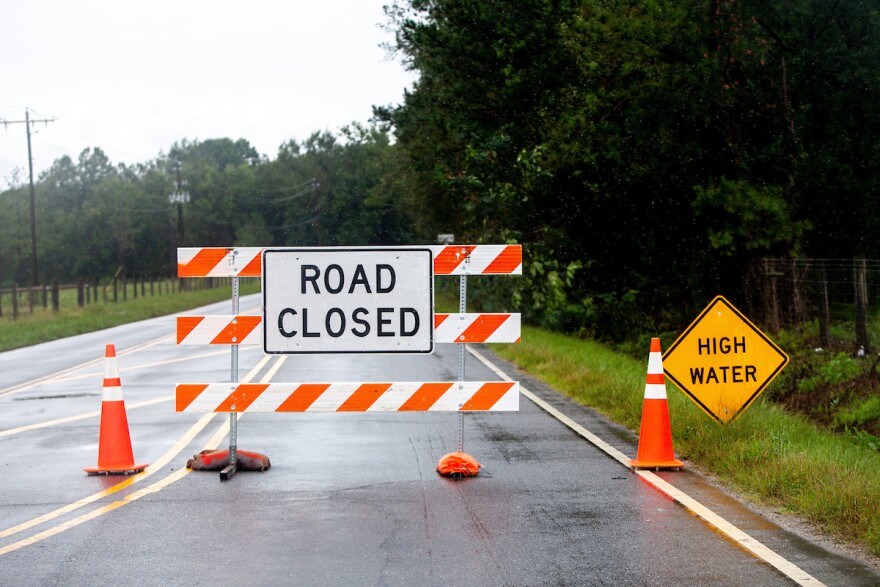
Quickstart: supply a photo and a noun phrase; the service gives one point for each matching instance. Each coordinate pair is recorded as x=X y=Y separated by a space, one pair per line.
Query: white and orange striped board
x=474 y=328
x=219 y=262
x=219 y=330
x=448 y=328
x=448 y=260
x=468 y=396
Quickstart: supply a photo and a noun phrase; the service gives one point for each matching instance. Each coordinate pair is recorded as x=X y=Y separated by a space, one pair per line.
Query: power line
x=35 y=279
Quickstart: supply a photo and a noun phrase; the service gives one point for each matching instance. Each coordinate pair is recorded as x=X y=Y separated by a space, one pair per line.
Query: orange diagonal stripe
x=186 y=394
x=254 y=268
x=205 y=260
x=450 y=258
x=364 y=397
x=238 y=329
x=302 y=397
x=487 y=396
x=185 y=325
x=483 y=327
x=439 y=319
x=425 y=397
x=243 y=396
x=506 y=262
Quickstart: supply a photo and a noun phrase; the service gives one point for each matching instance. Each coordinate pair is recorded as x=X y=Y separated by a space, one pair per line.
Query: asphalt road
x=350 y=499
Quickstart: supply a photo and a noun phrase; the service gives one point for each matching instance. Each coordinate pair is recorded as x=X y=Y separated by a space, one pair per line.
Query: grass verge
x=773 y=457
x=46 y=325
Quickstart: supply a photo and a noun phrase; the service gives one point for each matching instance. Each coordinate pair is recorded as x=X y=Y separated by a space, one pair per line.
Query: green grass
x=45 y=325
x=773 y=457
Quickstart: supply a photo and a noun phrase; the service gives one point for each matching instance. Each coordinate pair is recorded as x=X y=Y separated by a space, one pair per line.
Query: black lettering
x=739 y=345
x=751 y=370
x=737 y=373
x=392 y=279
x=281 y=315
x=306 y=332
x=701 y=346
x=711 y=375
x=724 y=374
x=329 y=326
x=696 y=375
x=725 y=345
x=415 y=315
x=360 y=278
x=304 y=277
x=356 y=318
x=382 y=321
x=340 y=278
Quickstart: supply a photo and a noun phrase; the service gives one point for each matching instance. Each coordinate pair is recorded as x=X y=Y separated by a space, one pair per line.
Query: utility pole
x=35 y=277
x=179 y=197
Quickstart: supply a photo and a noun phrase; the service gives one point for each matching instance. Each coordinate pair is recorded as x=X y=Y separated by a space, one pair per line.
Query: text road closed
x=360 y=300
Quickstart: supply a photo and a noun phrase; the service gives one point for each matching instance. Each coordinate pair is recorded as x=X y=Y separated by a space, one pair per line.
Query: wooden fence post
x=824 y=308
x=860 y=267
x=55 y=303
x=80 y=295
x=124 y=289
x=14 y=301
x=772 y=302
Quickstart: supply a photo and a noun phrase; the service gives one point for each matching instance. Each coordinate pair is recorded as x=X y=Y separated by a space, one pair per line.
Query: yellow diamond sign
x=723 y=361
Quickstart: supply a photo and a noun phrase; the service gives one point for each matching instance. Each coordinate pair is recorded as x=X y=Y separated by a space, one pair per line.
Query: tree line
x=645 y=153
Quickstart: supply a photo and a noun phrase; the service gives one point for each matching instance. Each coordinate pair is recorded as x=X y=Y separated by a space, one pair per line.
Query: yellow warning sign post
x=722 y=361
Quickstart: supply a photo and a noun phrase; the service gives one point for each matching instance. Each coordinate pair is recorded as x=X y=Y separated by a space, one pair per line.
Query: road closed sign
x=352 y=300
x=722 y=361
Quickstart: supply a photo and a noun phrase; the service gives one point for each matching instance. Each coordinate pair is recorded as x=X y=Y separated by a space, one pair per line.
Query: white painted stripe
x=655 y=391
x=655 y=364
x=211 y=397
x=396 y=396
x=111 y=393
x=733 y=533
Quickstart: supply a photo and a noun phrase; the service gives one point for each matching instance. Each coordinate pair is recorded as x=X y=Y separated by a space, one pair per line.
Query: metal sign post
x=230 y=469
x=462 y=308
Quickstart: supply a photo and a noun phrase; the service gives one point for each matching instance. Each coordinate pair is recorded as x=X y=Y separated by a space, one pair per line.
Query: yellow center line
x=92 y=414
x=48 y=423
x=733 y=533
x=171 y=453
x=60 y=374
x=148 y=365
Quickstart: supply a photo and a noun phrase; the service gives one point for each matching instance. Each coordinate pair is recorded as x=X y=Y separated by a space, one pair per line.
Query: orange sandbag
x=217 y=460
x=458 y=464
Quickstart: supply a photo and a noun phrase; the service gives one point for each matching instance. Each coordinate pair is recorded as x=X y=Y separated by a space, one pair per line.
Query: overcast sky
x=133 y=77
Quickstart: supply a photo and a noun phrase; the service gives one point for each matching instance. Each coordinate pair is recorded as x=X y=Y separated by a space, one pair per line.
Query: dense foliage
x=644 y=152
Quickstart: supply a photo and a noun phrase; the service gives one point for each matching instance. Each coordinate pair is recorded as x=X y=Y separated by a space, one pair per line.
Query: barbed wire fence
x=841 y=295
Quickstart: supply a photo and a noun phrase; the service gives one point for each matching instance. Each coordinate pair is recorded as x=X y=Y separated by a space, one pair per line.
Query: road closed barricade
x=350 y=300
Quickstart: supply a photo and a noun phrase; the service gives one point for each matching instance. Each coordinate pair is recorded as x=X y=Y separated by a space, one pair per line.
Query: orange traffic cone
x=114 y=444
x=655 y=437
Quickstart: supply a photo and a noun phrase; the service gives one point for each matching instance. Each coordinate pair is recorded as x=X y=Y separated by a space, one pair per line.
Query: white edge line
x=733 y=533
